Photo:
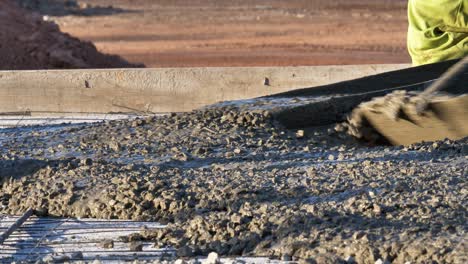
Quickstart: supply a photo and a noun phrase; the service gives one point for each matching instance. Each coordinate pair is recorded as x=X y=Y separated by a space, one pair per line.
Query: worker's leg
x=438 y=30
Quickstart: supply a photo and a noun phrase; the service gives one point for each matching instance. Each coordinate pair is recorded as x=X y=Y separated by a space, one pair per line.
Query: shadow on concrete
x=344 y=96
x=19 y=168
x=69 y=7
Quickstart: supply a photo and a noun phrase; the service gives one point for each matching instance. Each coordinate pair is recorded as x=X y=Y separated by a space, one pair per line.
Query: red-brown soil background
x=27 y=42
x=183 y=33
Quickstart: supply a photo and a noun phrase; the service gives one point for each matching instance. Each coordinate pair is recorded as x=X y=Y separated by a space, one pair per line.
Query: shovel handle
x=448 y=78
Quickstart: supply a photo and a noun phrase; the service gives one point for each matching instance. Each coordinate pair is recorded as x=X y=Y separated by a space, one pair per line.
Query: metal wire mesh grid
x=25 y=119
x=68 y=239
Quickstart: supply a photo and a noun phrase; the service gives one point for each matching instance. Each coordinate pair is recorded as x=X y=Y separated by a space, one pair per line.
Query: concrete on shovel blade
x=443 y=119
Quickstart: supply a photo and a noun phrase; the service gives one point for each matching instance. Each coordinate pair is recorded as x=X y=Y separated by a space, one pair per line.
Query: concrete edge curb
x=160 y=90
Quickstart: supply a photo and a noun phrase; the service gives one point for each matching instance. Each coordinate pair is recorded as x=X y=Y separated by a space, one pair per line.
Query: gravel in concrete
x=235 y=182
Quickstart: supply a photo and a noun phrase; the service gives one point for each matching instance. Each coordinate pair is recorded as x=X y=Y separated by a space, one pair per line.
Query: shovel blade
x=442 y=119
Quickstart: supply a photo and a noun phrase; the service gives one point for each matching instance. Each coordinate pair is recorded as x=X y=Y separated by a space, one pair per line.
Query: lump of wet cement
x=213 y=258
x=108 y=243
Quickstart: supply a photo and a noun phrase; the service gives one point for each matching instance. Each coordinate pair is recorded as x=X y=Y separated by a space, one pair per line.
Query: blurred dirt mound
x=68 y=7
x=28 y=42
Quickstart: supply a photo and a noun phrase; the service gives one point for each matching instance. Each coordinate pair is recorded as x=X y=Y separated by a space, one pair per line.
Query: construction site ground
x=230 y=178
x=245 y=33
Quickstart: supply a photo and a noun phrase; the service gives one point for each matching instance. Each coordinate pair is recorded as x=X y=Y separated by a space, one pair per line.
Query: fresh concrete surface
x=160 y=90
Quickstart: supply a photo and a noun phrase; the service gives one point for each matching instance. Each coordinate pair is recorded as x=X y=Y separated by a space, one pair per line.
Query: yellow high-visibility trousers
x=438 y=30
